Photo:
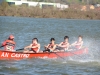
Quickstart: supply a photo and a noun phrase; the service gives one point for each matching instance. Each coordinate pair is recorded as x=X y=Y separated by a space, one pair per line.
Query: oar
x=64 y=58
x=58 y=55
x=1 y=46
x=74 y=54
x=19 y=49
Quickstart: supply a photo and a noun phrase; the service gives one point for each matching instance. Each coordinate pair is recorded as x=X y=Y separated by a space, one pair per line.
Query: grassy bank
x=25 y=11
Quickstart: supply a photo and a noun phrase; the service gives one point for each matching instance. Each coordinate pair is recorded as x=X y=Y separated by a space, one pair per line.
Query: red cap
x=11 y=37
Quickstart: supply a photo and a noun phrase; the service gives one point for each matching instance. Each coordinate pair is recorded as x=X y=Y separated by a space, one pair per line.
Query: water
x=24 y=29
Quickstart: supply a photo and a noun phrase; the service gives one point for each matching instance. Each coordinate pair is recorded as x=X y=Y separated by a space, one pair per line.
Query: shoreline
x=50 y=18
x=36 y=12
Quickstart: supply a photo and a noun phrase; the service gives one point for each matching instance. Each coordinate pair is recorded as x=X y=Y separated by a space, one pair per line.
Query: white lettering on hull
x=20 y=55
x=4 y=54
x=15 y=55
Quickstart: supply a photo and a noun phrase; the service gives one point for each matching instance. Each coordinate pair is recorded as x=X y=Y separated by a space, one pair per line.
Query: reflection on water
x=25 y=29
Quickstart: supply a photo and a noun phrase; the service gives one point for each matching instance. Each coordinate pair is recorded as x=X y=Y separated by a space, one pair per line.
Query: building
x=40 y=4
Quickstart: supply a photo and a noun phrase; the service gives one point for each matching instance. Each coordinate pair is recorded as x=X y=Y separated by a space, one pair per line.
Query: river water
x=24 y=29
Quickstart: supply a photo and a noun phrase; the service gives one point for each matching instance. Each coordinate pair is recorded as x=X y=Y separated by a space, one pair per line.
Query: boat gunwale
x=41 y=52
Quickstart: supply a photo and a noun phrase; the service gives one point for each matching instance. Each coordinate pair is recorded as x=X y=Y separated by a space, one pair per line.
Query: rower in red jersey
x=9 y=44
x=51 y=46
x=63 y=46
x=34 y=47
x=78 y=44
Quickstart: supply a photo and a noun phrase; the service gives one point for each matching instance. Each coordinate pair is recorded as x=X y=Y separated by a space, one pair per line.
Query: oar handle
x=19 y=49
x=1 y=46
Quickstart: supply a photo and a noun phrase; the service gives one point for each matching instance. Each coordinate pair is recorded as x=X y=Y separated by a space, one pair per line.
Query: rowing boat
x=20 y=55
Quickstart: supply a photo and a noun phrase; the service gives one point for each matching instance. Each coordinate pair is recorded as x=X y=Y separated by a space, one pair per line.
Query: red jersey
x=64 y=43
x=50 y=45
x=9 y=45
x=78 y=46
x=35 y=49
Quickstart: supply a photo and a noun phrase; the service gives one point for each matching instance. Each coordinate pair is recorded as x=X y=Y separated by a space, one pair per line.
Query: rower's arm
x=4 y=43
x=38 y=48
x=35 y=46
x=78 y=44
x=81 y=45
x=47 y=45
x=60 y=44
x=54 y=47
x=63 y=46
x=68 y=45
x=28 y=46
x=73 y=43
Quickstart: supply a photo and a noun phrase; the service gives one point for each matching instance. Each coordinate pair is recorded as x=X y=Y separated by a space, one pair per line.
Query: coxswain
x=78 y=44
x=51 y=46
x=63 y=46
x=9 y=44
x=34 y=47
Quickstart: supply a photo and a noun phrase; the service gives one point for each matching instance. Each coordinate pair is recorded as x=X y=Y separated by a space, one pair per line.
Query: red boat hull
x=21 y=55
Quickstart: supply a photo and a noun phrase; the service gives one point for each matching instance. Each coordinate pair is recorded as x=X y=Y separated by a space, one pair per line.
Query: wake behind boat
x=6 y=55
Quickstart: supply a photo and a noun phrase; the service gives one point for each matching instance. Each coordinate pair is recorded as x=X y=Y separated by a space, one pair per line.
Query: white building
x=31 y=3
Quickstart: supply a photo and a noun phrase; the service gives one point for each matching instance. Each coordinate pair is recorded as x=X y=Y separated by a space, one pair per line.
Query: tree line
x=36 y=12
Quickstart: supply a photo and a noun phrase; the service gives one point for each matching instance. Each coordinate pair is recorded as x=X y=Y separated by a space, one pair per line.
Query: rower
x=34 y=47
x=78 y=44
x=63 y=46
x=51 y=46
x=9 y=44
